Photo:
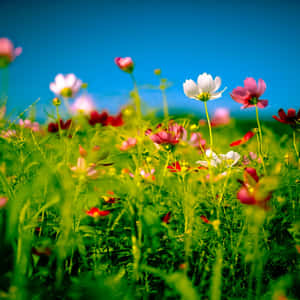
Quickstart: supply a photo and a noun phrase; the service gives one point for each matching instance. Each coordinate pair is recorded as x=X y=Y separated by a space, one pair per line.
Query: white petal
x=60 y=81
x=190 y=88
x=54 y=88
x=217 y=95
x=70 y=80
x=202 y=163
x=205 y=83
x=218 y=82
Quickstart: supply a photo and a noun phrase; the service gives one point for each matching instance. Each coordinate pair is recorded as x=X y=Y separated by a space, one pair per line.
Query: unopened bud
x=157 y=72
x=56 y=101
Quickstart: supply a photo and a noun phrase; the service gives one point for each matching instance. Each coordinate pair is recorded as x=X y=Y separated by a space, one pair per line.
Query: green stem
x=260 y=139
x=209 y=126
x=295 y=144
x=5 y=83
x=58 y=121
x=164 y=96
x=137 y=98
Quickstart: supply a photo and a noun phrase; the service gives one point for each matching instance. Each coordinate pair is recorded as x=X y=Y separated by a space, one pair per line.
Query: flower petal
x=190 y=89
x=251 y=86
x=205 y=83
x=262 y=103
x=261 y=87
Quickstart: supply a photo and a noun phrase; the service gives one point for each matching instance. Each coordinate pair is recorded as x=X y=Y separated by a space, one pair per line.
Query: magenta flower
x=125 y=64
x=34 y=126
x=291 y=118
x=170 y=136
x=3 y=201
x=7 y=52
x=249 y=94
x=221 y=117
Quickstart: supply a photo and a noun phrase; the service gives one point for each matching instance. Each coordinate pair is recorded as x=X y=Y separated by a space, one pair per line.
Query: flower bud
x=56 y=101
x=157 y=72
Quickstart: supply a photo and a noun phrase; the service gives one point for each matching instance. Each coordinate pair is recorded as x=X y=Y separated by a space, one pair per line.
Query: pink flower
x=252 y=191
x=8 y=134
x=249 y=94
x=171 y=136
x=125 y=64
x=3 y=201
x=84 y=104
x=82 y=169
x=34 y=126
x=221 y=117
x=7 y=52
x=66 y=86
x=130 y=143
x=197 y=141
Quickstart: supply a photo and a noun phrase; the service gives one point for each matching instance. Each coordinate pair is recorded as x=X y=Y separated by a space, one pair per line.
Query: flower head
x=34 y=126
x=166 y=218
x=255 y=191
x=229 y=159
x=84 y=104
x=205 y=89
x=244 y=139
x=220 y=117
x=82 y=169
x=249 y=94
x=96 y=212
x=7 y=52
x=66 y=86
x=105 y=119
x=125 y=64
x=3 y=201
x=64 y=125
x=129 y=143
x=291 y=118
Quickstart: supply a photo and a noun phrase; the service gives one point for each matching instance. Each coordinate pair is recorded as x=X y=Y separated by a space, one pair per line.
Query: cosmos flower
x=291 y=118
x=84 y=104
x=229 y=159
x=205 y=89
x=96 y=212
x=197 y=141
x=220 y=117
x=244 y=139
x=7 y=52
x=64 y=125
x=3 y=201
x=82 y=169
x=171 y=136
x=8 y=134
x=129 y=143
x=125 y=64
x=66 y=86
x=105 y=119
x=34 y=126
x=166 y=218
x=249 y=94
x=253 y=192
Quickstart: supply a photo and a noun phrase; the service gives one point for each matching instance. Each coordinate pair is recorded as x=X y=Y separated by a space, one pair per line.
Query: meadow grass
x=159 y=234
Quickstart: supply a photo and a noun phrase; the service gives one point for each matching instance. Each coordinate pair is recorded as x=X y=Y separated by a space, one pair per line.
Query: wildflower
x=230 y=159
x=220 y=117
x=96 y=212
x=81 y=169
x=197 y=141
x=64 y=125
x=205 y=89
x=204 y=219
x=3 y=201
x=171 y=136
x=34 y=126
x=249 y=94
x=148 y=176
x=66 y=86
x=84 y=104
x=166 y=218
x=255 y=191
x=291 y=118
x=9 y=133
x=82 y=151
x=105 y=119
x=244 y=139
x=7 y=52
x=129 y=143
x=174 y=167
x=125 y=64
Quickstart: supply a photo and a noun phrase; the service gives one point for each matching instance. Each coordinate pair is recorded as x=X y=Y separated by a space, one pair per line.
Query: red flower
x=105 y=119
x=174 y=167
x=252 y=192
x=250 y=93
x=53 y=127
x=166 y=218
x=96 y=212
x=291 y=118
x=244 y=139
x=41 y=251
x=172 y=135
x=204 y=219
x=125 y=64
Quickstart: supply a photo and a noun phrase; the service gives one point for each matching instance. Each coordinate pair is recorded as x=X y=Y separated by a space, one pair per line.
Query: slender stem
x=295 y=144
x=137 y=98
x=58 y=121
x=260 y=139
x=4 y=84
x=164 y=96
x=209 y=126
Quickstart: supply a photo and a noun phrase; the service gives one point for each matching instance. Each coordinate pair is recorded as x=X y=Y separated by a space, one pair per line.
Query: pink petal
x=250 y=85
x=262 y=103
x=261 y=87
x=245 y=197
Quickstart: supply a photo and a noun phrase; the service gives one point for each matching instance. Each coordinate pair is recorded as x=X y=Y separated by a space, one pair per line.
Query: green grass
x=245 y=252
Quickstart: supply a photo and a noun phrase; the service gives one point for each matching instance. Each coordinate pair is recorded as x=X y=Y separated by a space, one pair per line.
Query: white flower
x=66 y=86
x=205 y=89
x=230 y=159
x=84 y=104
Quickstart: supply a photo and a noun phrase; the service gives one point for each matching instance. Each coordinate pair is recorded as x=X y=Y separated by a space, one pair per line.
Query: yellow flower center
x=205 y=96
x=66 y=92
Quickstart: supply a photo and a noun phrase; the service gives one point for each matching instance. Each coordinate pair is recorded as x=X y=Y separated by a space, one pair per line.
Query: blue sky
x=233 y=39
